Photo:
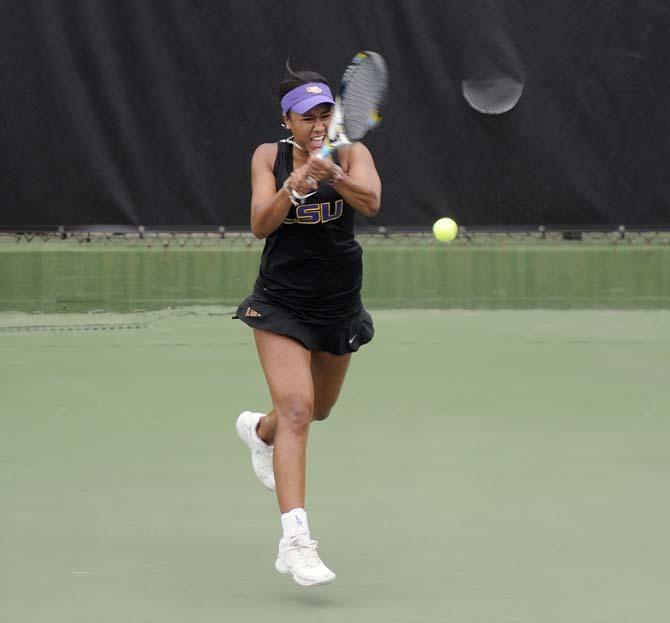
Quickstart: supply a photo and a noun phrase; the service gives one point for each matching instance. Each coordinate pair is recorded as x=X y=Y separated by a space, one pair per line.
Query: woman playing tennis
x=305 y=309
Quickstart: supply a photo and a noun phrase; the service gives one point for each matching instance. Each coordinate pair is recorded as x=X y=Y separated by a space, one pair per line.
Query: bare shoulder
x=354 y=152
x=265 y=154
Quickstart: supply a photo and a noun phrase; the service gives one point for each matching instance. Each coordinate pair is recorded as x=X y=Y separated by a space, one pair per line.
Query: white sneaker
x=299 y=558
x=261 y=453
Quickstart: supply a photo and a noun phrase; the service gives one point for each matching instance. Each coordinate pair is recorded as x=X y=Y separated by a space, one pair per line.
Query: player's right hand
x=301 y=182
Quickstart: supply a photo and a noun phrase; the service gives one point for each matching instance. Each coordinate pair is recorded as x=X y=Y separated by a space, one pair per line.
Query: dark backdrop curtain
x=147 y=111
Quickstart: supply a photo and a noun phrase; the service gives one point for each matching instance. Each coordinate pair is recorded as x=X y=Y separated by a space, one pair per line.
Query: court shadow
x=321 y=597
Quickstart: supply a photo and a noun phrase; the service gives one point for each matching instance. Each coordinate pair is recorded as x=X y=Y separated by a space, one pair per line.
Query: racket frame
x=336 y=136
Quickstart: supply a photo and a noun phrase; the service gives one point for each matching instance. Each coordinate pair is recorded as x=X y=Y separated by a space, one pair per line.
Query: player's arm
x=270 y=206
x=358 y=184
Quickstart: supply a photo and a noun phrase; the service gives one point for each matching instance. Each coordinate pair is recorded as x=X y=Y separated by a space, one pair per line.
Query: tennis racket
x=359 y=103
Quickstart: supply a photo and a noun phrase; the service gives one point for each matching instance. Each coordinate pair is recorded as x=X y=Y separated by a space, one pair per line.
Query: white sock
x=294 y=523
x=257 y=439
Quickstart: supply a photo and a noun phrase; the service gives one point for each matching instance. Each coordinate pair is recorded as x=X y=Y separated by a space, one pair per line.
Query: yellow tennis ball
x=445 y=229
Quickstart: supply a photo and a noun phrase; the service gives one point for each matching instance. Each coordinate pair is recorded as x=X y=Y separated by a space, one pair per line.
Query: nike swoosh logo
x=351 y=341
x=303 y=197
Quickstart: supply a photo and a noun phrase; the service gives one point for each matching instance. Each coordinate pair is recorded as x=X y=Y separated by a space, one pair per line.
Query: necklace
x=292 y=142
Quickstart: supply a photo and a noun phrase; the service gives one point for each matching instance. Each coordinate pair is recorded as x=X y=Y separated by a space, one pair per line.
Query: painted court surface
x=480 y=467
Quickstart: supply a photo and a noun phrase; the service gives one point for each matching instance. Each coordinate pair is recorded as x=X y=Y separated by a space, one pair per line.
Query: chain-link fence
x=141 y=237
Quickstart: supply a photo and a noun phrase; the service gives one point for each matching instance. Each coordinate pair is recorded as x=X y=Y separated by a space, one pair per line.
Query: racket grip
x=326 y=150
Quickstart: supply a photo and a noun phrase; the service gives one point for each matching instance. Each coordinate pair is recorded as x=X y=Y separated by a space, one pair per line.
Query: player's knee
x=320 y=414
x=295 y=415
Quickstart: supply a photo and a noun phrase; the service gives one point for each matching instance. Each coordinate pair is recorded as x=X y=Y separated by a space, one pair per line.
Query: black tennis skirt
x=348 y=336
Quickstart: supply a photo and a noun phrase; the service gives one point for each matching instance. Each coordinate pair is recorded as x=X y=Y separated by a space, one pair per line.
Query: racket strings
x=362 y=96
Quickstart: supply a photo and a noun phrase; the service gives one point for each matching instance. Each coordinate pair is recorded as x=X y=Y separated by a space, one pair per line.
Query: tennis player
x=305 y=309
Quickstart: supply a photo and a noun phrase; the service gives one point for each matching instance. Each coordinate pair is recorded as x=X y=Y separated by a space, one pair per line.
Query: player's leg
x=267 y=426
x=328 y=374
x=287 y=367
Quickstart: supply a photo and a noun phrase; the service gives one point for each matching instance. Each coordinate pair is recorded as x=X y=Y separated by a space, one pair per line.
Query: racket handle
x=326 y=150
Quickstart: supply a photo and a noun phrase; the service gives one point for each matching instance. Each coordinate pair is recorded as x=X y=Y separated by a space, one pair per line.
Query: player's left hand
x=320 y=168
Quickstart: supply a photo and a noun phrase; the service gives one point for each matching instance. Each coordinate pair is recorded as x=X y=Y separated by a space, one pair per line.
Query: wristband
x=290 y=193
x=294 y=197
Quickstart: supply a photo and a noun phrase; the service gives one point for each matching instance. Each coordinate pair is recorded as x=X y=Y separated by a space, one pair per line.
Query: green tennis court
x=481 y=466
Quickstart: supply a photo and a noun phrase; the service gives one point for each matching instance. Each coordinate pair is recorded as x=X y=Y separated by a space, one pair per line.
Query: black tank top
x=312 y=264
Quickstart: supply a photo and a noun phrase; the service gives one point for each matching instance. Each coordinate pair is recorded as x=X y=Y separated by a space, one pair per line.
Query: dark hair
x=293 y=79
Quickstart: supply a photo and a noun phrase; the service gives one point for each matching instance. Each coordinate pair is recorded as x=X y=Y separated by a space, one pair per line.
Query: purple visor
x=305 y=97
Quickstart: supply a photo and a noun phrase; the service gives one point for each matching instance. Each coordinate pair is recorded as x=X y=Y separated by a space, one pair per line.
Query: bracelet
x=291 y=193
x=338 y=176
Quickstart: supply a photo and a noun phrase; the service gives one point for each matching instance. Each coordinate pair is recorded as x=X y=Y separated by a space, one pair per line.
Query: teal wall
x=75 y=277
